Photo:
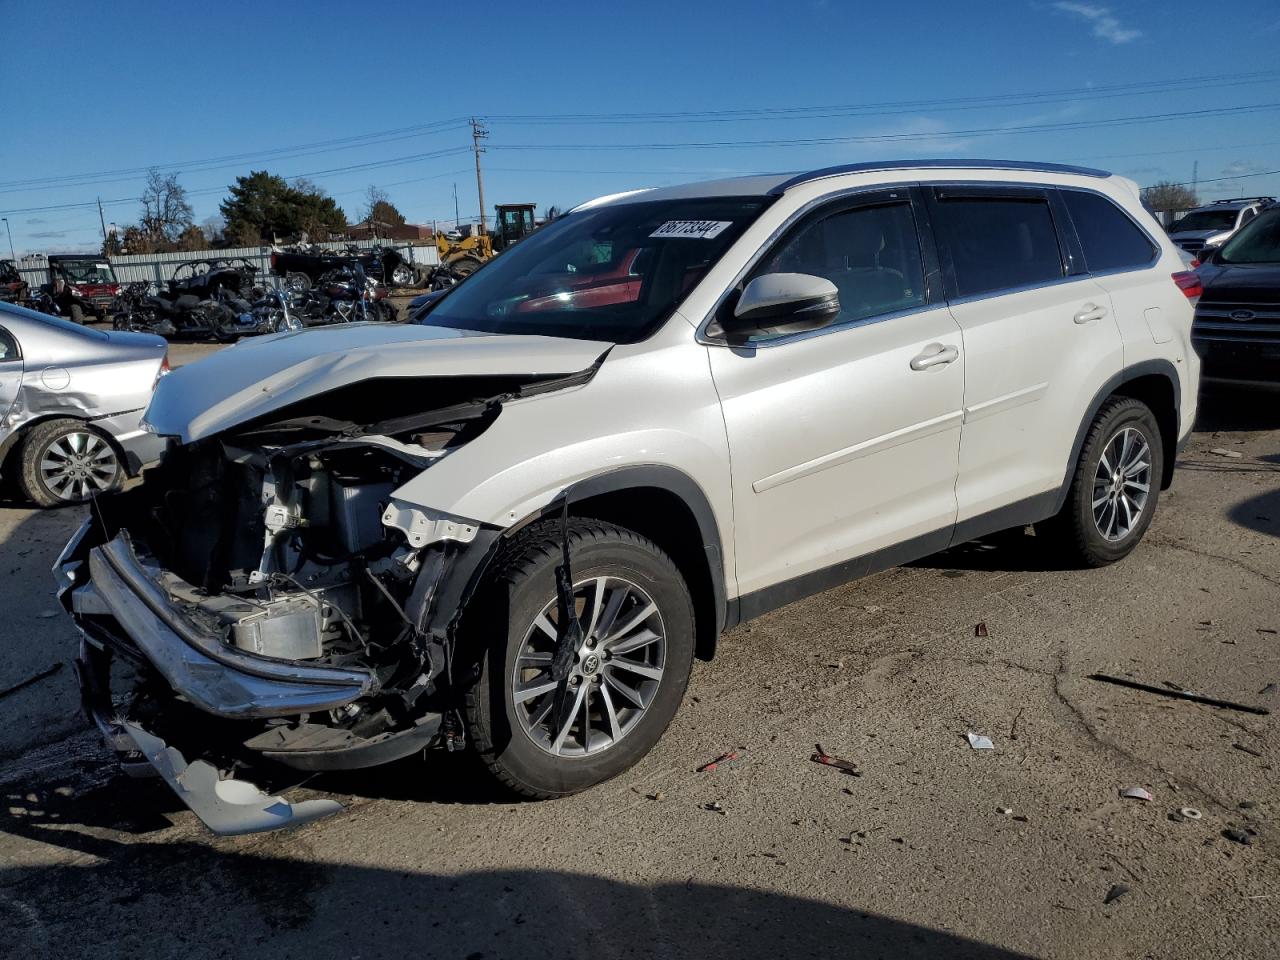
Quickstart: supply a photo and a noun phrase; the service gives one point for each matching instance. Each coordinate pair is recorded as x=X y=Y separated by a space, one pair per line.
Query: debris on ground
x=1238 y=835
x=48 y=671
x=1004 y=811
x=979 y=742
x=715 y=807
x=826 y=759
x=1269 y=688
x=47 y=614
x=1267 y=630
x=1189 y=813
x=1021 y=818
x=1180 y=694
x=1233 y=454
x=1117 y=891
x=1136 y=793
x=1247 y=749
x=1246 y=804
x=712 y=764
x=980 y=630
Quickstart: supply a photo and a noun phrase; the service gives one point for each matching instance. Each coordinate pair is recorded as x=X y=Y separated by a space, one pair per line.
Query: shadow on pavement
x=191 y=900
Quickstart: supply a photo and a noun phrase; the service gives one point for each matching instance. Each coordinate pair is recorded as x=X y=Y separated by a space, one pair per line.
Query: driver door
x=844 y=441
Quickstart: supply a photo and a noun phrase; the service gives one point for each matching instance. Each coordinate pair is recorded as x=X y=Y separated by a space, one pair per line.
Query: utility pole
x=1195 y=177
x=456 y=216
x=10 y=233
x=478 y=133
x=103 y=220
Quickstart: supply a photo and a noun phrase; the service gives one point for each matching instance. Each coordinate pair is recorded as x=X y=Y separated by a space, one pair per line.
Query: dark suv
x=1237 y=325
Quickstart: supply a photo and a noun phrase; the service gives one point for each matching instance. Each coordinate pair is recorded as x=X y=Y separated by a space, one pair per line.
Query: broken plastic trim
x=227 y=807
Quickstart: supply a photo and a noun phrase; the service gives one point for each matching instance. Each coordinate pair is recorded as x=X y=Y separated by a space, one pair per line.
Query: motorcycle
x=305 y=265
x=344 y=295
x=209 y=297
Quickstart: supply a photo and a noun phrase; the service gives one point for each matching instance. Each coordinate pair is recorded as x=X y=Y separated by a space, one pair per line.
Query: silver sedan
x=71 y=405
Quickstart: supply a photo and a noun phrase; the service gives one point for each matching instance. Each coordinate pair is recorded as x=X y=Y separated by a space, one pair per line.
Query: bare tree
x=1165 y=197
x=166 y=214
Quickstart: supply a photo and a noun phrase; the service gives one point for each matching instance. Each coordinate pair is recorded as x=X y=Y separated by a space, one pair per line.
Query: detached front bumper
x=196 y=663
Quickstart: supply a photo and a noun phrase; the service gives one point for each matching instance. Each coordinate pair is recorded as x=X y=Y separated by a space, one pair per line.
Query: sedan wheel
x=66 y=462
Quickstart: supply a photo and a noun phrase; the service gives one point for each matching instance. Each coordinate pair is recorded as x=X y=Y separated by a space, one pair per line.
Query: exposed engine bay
x=263 y=595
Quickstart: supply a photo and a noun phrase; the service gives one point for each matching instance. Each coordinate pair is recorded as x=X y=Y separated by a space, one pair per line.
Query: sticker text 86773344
x=693 y=229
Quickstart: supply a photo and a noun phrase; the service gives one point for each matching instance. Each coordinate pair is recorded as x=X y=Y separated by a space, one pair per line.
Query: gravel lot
x=935 y=850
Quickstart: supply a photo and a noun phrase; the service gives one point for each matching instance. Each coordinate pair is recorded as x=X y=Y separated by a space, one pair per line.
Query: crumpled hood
x=257 y=376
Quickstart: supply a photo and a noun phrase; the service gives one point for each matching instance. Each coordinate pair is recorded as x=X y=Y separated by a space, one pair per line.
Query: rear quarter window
x=1110 y=240
x=998 y=243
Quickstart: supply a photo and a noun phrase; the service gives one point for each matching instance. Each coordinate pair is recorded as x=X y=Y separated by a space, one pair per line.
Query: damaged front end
x=262 y=597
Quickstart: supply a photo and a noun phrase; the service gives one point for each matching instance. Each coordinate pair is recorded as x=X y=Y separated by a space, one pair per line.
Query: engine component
x=288 y=629
x=357 y=513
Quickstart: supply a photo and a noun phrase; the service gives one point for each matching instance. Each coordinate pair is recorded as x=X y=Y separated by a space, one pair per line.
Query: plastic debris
x=1004 y=811
x=715 y=807
x=1180 y=694
x=712 y=764
x=1238 y=835
x=844 y=766
x=1117 y=891
x=1189 y=813
x=1233 y=454
x=979 y=742
x=980 y=630
x=1136 y=793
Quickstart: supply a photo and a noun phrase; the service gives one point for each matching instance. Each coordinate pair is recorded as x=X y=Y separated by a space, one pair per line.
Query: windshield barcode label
x=693 y=229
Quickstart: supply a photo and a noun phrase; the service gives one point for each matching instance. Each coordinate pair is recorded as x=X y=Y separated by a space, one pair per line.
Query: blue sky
x=95 y=93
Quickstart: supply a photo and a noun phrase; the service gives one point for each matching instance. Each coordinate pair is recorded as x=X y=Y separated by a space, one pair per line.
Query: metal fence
x=159 y=267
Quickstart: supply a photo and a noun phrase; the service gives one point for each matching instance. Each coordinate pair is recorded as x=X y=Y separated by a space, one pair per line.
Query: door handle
x=1089 y=313
x=934 y=355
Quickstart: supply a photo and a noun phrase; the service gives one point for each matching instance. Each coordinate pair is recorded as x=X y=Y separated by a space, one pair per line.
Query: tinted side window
x=8 y=346
x=1111 y=241
x=997 y=243
x=871 y=254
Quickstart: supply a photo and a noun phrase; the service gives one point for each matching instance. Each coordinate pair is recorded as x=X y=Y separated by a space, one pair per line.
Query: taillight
x=1189 y=283
x=275 y=258
x=1194 y=263
x=164 y=366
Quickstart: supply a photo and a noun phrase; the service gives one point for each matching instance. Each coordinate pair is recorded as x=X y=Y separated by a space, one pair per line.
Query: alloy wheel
x=1122 y=484
x=614 y=676
x=79 y=465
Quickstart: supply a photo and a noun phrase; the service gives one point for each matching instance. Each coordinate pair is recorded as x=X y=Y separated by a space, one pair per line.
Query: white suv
x=516 y=521
x=1209 y=227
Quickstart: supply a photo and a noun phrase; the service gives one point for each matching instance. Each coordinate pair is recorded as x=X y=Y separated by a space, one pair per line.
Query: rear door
x=1040 y=339
x=844 y=440
x=10 y=376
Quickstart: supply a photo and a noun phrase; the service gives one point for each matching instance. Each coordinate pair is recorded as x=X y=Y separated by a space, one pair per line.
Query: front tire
x=75 y=313
x=66 y=461
x=1115 y=487
x=627 y=679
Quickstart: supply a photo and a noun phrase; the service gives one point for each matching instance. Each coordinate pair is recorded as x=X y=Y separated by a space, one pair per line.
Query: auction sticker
x=693 y=229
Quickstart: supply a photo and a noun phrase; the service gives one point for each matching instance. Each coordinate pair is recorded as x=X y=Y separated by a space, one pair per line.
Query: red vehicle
x=82 y=285
x=592 y=287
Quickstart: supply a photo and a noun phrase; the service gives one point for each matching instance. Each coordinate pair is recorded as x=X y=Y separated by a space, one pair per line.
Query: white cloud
x=1106 y=25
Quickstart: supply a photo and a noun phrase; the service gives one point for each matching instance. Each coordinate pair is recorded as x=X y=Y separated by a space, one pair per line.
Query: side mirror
x=1207 y=251
x=783 y=303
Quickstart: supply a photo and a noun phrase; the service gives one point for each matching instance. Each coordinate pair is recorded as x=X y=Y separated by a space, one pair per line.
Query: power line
x=213 y=163
x=903 y=137
x=896 y=107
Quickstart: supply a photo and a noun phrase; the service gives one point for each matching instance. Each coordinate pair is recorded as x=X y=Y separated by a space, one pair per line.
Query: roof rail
x=1247 y=200
x=874 y=165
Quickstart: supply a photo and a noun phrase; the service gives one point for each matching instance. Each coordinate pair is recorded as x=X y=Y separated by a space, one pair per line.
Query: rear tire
x=1115 y=486
x=465 y=267
x=609 y=732
x=297 y=282
x=67 y=461
x=75 y=313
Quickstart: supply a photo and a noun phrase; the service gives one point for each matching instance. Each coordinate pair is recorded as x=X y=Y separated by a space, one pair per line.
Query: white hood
x=258 y=376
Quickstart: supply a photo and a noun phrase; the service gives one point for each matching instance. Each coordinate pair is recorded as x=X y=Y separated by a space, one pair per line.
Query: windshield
x=87 y=271
x=1259 y=242
x=1206 y=220
x=614 y=273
